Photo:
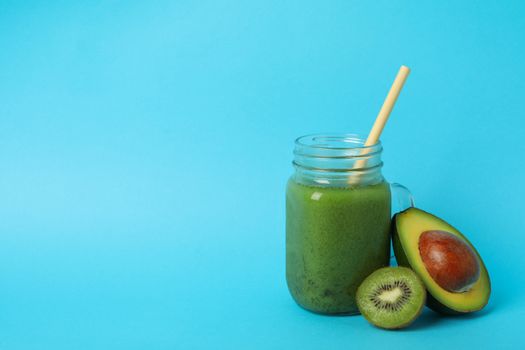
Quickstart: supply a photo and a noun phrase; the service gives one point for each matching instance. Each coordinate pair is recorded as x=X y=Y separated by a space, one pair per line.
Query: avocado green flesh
x=407 y=227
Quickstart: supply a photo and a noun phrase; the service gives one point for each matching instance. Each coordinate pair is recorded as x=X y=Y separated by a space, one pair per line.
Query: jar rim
x=341 y=141
x=335 y=145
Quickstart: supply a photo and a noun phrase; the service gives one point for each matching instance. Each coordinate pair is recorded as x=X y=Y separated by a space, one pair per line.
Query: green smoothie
x=335 y=237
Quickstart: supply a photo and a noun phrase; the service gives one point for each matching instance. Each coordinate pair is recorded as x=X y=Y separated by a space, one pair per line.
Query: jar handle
x=402 y=199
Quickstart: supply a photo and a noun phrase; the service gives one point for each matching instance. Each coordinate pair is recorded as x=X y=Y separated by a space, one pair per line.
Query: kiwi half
x=391 y=297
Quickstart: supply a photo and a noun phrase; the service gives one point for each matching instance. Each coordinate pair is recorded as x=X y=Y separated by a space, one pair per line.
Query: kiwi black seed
x=391 y=297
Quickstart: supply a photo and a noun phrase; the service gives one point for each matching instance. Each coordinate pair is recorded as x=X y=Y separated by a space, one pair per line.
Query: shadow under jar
x=338 y=215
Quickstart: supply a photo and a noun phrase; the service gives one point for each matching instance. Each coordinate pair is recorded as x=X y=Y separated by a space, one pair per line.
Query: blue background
x=145 y=146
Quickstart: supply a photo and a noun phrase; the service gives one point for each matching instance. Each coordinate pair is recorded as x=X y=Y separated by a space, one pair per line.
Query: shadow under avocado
x=429 y=318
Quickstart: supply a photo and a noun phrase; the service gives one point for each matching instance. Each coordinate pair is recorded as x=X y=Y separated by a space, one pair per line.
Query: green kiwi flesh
x=391 y=297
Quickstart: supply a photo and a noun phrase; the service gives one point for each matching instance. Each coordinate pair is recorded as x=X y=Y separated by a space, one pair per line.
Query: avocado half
x=407 y=227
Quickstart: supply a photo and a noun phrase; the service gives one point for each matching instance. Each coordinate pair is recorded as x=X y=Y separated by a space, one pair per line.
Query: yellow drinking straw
x=383 y=115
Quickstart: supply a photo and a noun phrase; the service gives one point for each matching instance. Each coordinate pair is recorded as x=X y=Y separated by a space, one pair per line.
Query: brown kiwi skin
x=409 y=321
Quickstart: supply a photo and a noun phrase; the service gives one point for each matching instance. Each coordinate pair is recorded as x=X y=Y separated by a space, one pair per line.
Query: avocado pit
x=451 y=263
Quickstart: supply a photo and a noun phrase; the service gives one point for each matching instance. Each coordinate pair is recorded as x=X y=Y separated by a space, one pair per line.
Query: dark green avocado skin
x=402 y=260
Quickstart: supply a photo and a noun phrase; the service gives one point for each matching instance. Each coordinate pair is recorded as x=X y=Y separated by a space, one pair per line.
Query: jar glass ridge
x=337 y=160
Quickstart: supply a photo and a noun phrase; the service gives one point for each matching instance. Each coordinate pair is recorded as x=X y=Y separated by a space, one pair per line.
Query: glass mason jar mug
x=338 y=216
